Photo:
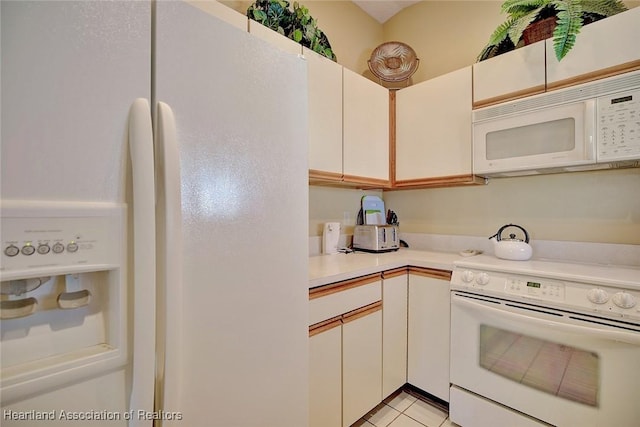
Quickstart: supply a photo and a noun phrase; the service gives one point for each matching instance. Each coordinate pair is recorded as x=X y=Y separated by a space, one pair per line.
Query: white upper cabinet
x=606 y=47
x=366 y=130
x=511 y=75
x=274 y=37
x=325 y=115
x=433 y=129
x=602 y=49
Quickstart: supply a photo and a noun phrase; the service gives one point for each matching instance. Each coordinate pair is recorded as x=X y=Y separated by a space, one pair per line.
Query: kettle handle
x=498 y=235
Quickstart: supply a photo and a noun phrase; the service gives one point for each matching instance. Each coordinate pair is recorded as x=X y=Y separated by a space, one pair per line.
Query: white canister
x=330 y=237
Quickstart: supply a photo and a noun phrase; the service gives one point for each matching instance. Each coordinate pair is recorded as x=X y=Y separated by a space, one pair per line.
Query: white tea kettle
x=511 y=248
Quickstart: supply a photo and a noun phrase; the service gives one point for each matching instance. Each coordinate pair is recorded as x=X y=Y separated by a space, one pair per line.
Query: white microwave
x=590 y=126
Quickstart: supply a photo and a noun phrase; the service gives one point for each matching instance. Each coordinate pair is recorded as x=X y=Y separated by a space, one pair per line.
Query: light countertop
x=325 y=269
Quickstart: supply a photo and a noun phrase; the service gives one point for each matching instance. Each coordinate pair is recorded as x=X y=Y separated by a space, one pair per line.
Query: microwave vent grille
x=576 y=93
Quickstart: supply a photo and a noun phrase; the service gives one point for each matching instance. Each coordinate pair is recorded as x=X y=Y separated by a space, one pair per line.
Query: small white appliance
x=376 y=238
x=330 y=237
x=541 y=343
x=590 y=126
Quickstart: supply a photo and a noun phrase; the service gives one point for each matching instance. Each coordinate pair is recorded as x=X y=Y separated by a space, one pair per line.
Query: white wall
x=602 y=206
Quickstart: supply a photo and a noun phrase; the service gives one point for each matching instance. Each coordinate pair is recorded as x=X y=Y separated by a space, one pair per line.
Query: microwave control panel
x=619 y=126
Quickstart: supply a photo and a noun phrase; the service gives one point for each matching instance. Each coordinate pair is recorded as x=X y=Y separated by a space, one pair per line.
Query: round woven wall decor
x=393 y=62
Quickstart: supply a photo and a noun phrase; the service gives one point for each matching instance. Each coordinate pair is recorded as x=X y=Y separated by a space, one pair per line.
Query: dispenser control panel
x=37 y=236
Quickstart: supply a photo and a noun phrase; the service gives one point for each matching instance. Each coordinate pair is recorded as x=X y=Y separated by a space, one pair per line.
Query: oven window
x=554 y=368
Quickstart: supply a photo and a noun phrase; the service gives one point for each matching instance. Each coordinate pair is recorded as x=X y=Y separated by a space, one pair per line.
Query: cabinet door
x=433 y=129
x=361 y=362
x=325 y=375
x=602 y=49
x=394 y=331
x=325 y=116
x=366 y=130
x=428 y=355
x=70 y=72
x=511 y=75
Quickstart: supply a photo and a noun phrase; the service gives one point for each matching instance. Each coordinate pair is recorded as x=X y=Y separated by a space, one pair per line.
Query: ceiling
x=382 y=10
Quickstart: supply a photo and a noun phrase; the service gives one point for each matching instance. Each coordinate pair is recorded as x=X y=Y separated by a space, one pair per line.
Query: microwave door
x=551 y=137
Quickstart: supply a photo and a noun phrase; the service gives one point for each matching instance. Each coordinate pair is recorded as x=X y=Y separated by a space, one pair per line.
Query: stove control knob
x=482 y=279
x=598 y=296
x=624 y=300
x=467 y=276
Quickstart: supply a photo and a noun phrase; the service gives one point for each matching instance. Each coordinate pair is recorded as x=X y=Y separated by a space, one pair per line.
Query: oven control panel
x=498 y=283
x=543 y=289
x=601 y=299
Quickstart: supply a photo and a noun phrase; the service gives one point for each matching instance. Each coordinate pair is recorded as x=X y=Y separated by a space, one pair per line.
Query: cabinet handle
x=395 y=272
x=323 y=291
x=325 y=325
x=361 y=312
x=431 y=272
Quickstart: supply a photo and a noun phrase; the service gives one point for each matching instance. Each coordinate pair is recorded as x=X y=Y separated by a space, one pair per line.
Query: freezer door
x=231 y=126
x=70 y=72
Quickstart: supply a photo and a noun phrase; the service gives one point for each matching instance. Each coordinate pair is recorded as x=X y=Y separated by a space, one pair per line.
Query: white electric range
x=544 y=343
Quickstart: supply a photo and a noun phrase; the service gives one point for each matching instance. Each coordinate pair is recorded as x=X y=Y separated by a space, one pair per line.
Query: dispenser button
x=11 y=250
x=44 y=249
x=58 y=248
x=72 y=247
x=28 y=249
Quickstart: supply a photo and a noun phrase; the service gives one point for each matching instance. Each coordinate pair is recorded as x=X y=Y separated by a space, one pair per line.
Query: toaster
x=376 y=238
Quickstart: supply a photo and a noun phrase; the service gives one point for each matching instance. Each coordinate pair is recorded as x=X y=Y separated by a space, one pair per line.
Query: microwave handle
x=626 y=337
x=590 y=130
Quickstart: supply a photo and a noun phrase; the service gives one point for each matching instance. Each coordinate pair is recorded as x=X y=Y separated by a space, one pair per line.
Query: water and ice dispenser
x=63 y=299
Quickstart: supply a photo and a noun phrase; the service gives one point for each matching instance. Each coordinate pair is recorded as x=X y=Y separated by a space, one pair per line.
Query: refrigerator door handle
x=144 y=269
x=169 y=257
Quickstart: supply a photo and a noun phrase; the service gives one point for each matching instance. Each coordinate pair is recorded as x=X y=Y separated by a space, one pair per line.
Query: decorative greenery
x=570 y=15
x=296 y=24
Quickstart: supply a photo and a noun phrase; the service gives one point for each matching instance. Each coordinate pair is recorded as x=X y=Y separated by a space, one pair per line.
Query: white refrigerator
x=154 y=206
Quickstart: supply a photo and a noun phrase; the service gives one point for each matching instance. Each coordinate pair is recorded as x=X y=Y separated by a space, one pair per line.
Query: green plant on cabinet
x=296 y=24
x=570 y=16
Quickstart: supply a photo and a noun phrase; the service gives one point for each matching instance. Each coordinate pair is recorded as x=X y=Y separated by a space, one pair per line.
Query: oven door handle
x=613 y=335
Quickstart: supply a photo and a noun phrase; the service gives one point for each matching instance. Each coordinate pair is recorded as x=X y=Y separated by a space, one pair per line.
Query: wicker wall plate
x=393 y=62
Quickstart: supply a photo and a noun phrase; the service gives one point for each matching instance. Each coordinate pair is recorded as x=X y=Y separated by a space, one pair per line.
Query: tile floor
x=406 y=409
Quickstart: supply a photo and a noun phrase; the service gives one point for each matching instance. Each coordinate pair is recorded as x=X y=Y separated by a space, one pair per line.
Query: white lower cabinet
x=394 y=330
x=371 y=335
x=345 y=351
x=361 y=363
x=325 y=375
x=429 y=325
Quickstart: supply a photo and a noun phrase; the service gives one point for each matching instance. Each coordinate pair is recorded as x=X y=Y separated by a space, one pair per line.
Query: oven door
x=563 y=368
